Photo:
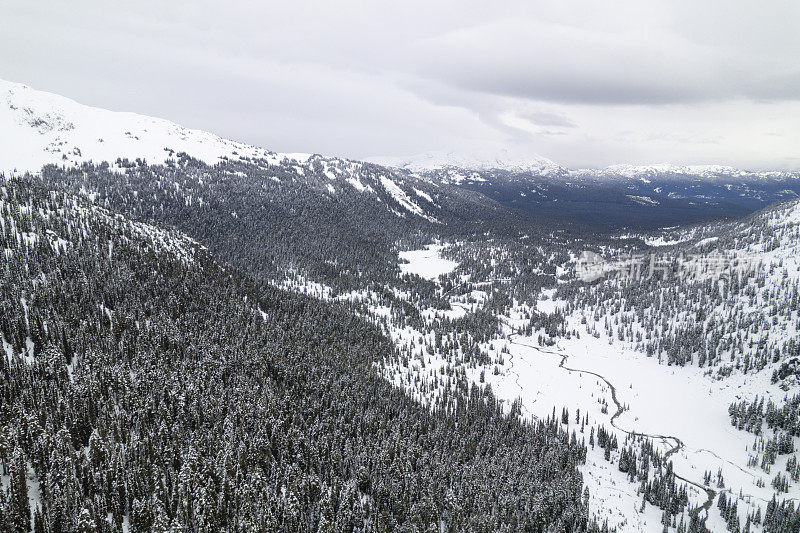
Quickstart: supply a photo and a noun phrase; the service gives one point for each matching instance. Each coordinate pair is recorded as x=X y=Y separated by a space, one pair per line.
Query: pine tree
x=38 y=521
x=19 y=504
x=85 y=523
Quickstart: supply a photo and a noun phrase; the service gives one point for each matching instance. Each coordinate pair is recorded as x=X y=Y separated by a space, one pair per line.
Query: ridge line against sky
x=583 y=84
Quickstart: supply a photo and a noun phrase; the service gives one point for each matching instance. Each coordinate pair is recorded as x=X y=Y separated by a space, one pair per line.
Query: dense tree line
x=751 y=416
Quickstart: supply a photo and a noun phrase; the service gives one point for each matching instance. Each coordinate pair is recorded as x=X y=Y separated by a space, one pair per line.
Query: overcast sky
x=586 y=84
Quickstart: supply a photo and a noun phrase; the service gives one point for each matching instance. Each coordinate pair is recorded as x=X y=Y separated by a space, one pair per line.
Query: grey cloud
x=563 y=64
x=544 y=118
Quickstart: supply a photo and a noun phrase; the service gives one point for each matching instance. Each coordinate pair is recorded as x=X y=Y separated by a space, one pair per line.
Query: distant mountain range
x=503 y=160
x=613 y=197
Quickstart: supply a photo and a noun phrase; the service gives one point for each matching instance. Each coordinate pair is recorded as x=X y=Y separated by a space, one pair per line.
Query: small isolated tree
x=85 y=522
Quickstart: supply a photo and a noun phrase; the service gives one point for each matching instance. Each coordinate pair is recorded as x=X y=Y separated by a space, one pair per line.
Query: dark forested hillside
x=143 y=384
x=333 y=220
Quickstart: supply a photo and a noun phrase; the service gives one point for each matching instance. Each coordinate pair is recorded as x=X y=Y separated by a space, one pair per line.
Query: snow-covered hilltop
x=40 y=128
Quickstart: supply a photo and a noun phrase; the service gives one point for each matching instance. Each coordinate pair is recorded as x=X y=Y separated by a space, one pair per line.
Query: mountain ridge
x=53 y=129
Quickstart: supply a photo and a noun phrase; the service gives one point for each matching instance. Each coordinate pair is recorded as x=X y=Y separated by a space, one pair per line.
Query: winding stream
x=710 y=493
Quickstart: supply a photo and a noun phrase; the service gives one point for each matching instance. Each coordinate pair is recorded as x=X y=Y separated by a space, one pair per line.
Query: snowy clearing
x=426 y=263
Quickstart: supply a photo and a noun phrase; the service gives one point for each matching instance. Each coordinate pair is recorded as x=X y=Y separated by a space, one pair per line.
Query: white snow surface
x=426 y=263
x=662 y=240
x=402 y=198
x=642 y=200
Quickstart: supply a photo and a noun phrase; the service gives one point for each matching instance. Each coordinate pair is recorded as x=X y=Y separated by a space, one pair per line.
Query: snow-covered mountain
x=322 y=214
x=491 y=303
x=43 y=128
x=40 y=128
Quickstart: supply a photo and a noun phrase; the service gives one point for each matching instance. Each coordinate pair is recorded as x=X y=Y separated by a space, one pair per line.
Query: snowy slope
x=40 y=128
